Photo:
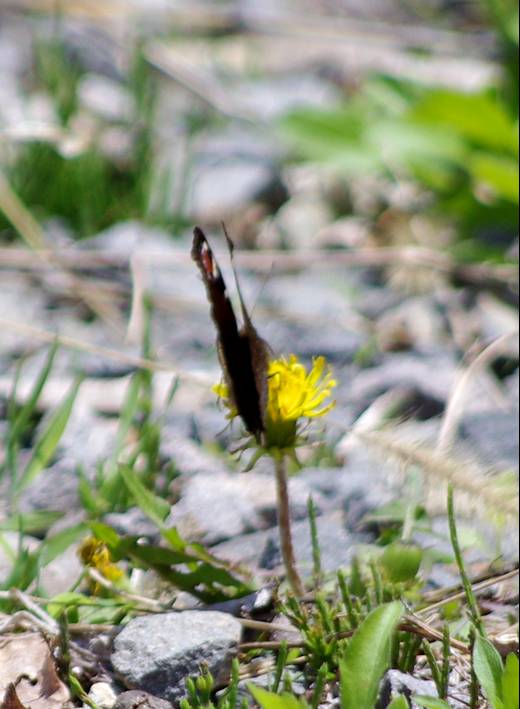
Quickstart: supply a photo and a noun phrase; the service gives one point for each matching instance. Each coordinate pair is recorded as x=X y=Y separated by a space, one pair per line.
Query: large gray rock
x=156 y=653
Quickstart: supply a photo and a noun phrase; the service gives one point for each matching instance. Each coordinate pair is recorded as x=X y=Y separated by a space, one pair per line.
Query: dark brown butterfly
x=243 y=354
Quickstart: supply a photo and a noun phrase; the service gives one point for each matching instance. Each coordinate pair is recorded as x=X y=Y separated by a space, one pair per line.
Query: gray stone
x=61 y=573
x=102 y=695
x=157 y=653
x=105 y=97
x=188 y=457
x=218 y=506
x=221 y=188
x=62 y=479
x=133 y=521
x=346 y=488
x=136 y=699
x=275 y=96
x=397 y=683
x=261 y=550
x=404 y=369
x=494 y=437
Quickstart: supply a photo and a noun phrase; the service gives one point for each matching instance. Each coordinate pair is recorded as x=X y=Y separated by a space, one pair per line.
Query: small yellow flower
x=293 y=394
x=96 y=554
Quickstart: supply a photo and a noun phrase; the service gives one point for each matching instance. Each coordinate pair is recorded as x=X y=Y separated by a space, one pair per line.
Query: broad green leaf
x=368 y=657
x=70 y=599
x=48 y=442
x=431 y=703
x=153 y=507
x=500 y=173
x=401 y=562
x=510 y=682
x=479 y=117
x=269 y=700
x=489 y=670
x=399 y=703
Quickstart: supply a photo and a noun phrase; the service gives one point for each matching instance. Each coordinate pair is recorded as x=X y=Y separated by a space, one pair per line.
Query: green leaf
x=28 y=408
x=46 y=445
x=500 y=173
x=479 y=117
x=31 y=522
x=401 y=562
x=489 y=670
x=105 y=534
x=128 y=412
x=269 y=700
x=368 y=657
x=56 y=545
x=399 y=703
x=431 y=703
x=510 y=680
x=155 y=508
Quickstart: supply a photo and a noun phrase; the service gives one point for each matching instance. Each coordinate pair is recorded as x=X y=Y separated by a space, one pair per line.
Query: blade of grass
x=46 y=445
x=470 y=596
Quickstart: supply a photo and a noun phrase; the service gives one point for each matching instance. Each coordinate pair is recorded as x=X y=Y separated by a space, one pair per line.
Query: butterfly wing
x=243 y=354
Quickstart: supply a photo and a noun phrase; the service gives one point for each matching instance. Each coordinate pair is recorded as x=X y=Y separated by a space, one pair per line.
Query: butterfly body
x=243 y=354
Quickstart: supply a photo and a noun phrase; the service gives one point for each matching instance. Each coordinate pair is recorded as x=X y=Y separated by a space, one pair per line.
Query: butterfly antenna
x=263 y=285
x=231 y=249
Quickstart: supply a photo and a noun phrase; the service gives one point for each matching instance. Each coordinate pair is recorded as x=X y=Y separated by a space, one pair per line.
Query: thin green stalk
x=446 y=657
x=280 y=666
x=319 y=686
x=466 y=583
x=316 y=552
x=346 y=596
x=434 y=667
x=378 y=583
x=284 y=524
x=412 y=649
x=474 y=689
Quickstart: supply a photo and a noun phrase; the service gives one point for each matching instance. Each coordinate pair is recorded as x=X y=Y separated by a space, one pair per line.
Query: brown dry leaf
x=26 y=663
x=11 y=700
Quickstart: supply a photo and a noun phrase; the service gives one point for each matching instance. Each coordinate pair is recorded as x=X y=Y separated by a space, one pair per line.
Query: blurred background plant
x=459 y=146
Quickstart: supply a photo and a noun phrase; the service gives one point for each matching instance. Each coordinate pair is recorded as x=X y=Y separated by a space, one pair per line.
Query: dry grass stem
x=263 y=260
x=455 y=407
x=466 y=477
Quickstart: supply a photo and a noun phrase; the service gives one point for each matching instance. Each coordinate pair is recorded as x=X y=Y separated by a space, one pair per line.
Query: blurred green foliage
x=462 y=147
x=92 y=189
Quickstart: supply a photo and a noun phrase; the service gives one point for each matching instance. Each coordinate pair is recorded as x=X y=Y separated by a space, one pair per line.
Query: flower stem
x=284 y=524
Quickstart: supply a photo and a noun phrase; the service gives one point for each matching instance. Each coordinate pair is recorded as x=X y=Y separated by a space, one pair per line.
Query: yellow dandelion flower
x=95 y=554
x=294 y=393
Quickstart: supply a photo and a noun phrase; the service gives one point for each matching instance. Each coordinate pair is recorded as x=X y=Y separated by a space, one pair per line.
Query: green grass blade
x=153 y=507
x=46 y=445
x=368 y=657
x=399 y=703
x=457 y=550
x=28 y=408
